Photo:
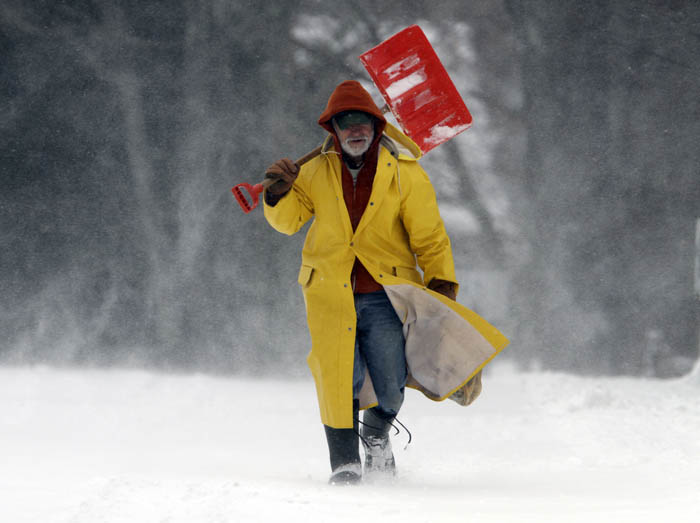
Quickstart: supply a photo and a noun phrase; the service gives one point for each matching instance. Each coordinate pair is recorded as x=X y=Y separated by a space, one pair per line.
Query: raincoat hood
x=350 y=96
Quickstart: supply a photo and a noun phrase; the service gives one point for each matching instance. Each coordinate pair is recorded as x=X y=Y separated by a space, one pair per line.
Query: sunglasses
x=350 y=118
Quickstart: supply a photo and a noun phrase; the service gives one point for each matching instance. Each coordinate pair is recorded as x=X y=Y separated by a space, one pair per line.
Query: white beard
x=357 y=148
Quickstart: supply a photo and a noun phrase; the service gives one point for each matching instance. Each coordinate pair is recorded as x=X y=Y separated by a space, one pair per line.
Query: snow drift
x=131 y=446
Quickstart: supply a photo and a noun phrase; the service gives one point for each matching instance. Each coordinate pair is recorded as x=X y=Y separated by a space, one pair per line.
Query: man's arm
x=426 y=230
x=287 y=206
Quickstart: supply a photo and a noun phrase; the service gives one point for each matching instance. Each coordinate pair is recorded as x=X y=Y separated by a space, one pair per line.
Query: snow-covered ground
x=131 y=446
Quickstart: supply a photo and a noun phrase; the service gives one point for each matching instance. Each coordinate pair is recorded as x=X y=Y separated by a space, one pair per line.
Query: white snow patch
x=423 y=98
x=399 y=67
x=127 y=446
x=399 y=87
x=442 y=133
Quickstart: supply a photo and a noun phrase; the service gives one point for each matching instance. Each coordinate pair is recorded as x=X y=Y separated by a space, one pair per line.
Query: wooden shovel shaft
x=301 y=161
x=309 y=156
x=267 y=182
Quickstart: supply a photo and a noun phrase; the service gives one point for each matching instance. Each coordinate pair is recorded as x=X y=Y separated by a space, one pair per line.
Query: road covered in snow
x=134 y=446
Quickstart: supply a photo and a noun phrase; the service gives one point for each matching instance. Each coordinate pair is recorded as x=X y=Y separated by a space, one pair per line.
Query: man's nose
x=357 y=128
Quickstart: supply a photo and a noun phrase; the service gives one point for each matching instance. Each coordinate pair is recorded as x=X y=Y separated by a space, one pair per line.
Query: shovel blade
x=417 y=88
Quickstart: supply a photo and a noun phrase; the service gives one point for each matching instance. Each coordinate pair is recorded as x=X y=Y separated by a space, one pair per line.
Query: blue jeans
x=380 y=348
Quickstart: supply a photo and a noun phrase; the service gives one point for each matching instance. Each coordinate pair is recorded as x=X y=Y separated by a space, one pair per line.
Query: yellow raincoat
x=446 y=343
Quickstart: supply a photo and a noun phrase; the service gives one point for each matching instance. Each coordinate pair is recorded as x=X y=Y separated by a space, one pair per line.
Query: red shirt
x=356 y=197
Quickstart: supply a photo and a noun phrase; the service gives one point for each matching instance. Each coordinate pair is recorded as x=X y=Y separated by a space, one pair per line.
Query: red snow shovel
x=415 y=87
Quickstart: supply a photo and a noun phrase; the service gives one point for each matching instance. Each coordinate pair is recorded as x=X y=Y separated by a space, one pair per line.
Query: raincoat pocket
x=408 y=273
x=305 y=275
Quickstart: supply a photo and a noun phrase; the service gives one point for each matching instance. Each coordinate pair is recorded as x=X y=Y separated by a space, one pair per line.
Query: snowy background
x=153 y=338
x=133 y=446
x=571 y=203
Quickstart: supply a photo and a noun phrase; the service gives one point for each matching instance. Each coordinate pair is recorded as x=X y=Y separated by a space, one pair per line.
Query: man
x=375 y=215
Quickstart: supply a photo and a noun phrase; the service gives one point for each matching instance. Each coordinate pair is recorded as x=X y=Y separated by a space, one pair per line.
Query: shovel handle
x=254 y=190
x=309 y=156
x=301 y=161
x=267 y=182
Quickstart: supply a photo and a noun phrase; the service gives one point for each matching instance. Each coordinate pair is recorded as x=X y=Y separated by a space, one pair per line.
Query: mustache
x=355 y=140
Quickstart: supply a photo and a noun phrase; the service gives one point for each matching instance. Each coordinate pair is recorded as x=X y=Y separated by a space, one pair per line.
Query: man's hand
x=283 y=172
x=444 y=287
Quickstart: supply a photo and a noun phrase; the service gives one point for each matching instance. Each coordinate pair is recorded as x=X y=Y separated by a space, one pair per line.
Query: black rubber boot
x=375 y=439
x=344 y=451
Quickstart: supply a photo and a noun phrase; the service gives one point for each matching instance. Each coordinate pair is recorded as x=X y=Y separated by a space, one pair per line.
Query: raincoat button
x=352 y=244
x=371 y=203
x=345 y=285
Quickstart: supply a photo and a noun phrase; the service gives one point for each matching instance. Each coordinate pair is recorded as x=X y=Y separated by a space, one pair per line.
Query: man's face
x=355 y=132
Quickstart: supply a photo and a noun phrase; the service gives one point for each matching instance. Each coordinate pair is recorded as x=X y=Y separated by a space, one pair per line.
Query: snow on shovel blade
x=417 y=88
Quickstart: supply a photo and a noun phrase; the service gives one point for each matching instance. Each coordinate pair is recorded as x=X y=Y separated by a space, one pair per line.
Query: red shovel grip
x=254 y=190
